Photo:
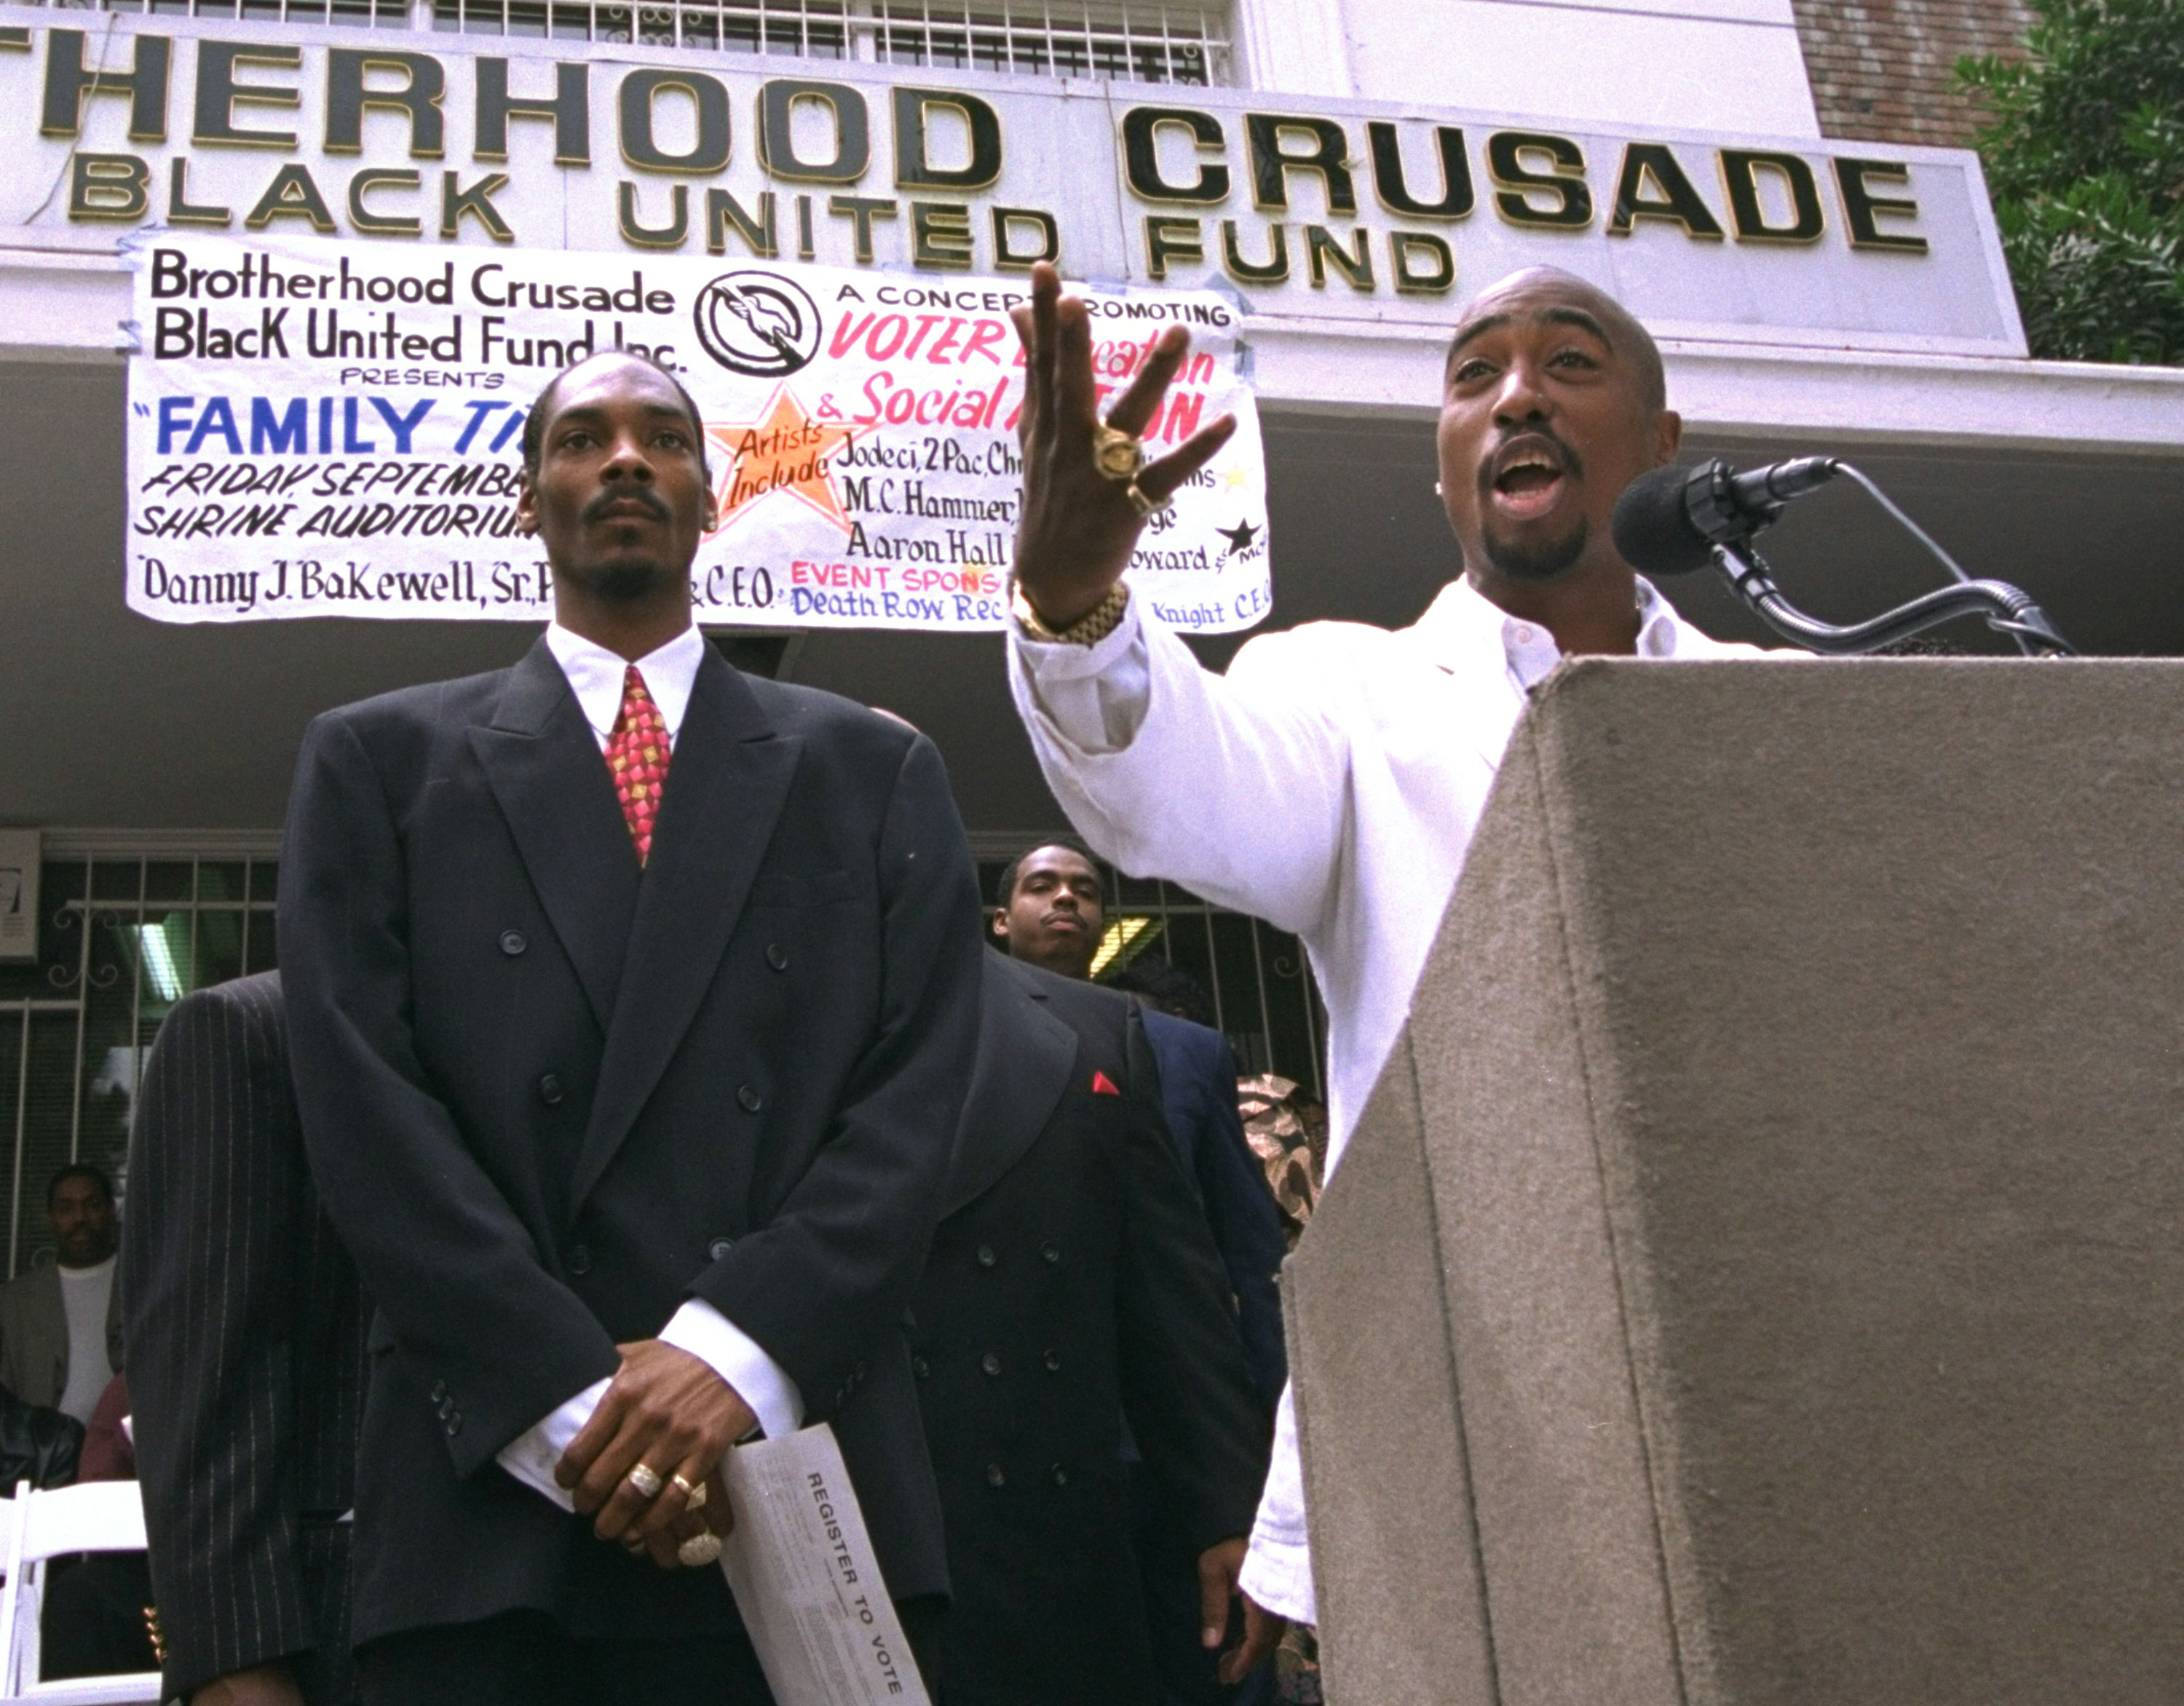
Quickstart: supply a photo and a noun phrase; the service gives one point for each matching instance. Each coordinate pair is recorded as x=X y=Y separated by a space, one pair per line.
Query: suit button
x=1053 y=1361
x=445 y=1408
x=439 y=1390
x=549 y=1089
x=748 y=1099
x=453 y=1424
x=776 y=956
x=1058 y=1475
x=720 y=1248
x=991 y=1364
x=512 y=942
x=986 y=1256
x=580 y=1260
x=920 y=1367
x=993 y=1476
x=1051 y=1252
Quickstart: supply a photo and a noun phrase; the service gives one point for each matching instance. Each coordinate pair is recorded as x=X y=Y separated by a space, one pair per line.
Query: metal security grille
x=351 y=14
x=1264 y=999
x=120 y=940
x=1134 y=41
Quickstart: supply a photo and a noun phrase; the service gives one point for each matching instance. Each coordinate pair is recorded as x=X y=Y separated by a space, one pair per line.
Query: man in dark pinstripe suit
x=245 y=1329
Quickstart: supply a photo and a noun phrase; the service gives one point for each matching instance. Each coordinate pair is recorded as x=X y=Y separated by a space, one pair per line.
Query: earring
x=1437 y=490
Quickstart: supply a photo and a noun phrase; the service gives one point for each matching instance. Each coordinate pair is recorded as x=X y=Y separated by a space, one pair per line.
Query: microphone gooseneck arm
x=2007 y=609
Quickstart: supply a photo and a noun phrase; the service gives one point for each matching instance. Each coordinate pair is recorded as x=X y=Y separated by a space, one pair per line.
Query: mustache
x=596 y=509
x=1573 y=463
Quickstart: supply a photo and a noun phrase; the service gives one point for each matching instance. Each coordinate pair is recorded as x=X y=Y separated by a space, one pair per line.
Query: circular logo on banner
x=759 y=324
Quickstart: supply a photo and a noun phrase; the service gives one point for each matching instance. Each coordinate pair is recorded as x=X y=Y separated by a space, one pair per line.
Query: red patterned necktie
x=637 y=759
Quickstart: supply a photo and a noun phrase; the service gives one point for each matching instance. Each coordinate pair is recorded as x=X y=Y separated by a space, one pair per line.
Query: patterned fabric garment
x=636 y=758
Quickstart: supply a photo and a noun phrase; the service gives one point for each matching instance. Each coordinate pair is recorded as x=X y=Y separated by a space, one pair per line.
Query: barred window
x=121 y=938
x=1134 y=41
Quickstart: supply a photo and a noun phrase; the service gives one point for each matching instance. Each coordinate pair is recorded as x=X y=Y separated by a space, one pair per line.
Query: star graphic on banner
x=1239 y=537
x=787 y=449
x=1232 y=478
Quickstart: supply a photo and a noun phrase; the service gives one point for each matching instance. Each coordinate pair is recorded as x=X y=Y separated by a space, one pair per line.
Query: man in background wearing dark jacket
x=1050 y=917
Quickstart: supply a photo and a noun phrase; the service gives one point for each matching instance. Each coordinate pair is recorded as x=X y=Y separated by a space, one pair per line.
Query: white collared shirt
x=597 y=677
x=1330 y=783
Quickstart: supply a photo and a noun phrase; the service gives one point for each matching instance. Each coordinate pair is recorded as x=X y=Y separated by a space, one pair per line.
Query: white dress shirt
x=1330 y=783
x=596 y=677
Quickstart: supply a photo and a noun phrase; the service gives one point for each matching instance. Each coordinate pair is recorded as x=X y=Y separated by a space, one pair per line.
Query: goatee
x=1538 y=560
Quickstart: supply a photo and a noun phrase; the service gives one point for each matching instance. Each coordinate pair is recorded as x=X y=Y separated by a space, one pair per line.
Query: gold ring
x=1144 y=505
x=1117 y=454
x=694 y=1497
x=647 y=1481
x=700 y=1550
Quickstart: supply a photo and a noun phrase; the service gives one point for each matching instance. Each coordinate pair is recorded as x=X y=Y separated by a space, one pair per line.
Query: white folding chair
x=92 y=1516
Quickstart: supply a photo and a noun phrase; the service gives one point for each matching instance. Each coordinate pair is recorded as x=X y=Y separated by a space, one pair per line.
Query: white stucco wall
x=1696 y=65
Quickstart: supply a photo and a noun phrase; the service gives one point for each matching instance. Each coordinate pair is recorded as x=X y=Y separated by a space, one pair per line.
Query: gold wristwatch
x=1095 y=626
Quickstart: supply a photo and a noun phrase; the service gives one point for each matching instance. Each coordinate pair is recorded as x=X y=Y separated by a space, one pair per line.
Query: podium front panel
x=1759 y=1275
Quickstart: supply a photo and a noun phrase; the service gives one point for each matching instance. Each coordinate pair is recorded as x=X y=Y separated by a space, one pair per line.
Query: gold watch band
x=1095 y=626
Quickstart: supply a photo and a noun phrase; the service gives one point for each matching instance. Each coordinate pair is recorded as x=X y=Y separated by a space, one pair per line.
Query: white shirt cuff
x=707 y=1335
x=1093 y=698
x=531 y=1456
x=733 y=1354
x=1277 y=1568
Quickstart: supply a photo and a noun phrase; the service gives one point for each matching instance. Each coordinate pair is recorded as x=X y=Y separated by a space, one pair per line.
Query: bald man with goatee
x=1379 y=746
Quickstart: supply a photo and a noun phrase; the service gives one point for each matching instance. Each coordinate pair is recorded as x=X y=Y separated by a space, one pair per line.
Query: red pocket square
x=1102 y=1085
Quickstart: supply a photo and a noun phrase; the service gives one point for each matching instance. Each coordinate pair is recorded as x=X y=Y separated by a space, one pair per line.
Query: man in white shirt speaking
x=631 y=1007
x=1380 y=746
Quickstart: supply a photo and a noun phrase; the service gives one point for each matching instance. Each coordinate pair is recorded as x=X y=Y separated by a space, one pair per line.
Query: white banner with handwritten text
x=331 y=429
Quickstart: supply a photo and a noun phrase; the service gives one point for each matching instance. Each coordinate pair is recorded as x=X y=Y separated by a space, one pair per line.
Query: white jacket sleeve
x=1235 y=786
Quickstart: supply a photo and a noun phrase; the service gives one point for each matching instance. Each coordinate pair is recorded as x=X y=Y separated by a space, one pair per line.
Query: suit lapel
x=1025 y=1057
x=727 y=783
x=542 y=763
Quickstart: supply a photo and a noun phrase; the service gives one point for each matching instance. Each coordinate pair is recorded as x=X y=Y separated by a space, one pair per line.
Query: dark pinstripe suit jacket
x=245 y=1323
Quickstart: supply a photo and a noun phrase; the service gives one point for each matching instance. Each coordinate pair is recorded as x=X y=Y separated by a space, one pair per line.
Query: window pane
x=221 y=879
x=117 y=880
x=169 y=879
x=219 y=947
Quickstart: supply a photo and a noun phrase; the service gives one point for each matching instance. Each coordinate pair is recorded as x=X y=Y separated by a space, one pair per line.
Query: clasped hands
x=672 y=1413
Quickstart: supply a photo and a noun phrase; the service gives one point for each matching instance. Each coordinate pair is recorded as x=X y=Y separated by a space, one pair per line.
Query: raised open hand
x=1077 y=526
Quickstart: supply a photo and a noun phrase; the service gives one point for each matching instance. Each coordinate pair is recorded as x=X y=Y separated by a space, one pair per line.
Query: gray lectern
x=1760 y=1274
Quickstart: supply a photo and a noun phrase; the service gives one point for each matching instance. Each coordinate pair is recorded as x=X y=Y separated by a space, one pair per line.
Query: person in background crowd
x=60 y=1327
x=109 y=1452
x=631 y=1003
x=1379 y=746
x=1072 y=1284
x=1205 y=1116
x=246 y=1368
x=1051 y=913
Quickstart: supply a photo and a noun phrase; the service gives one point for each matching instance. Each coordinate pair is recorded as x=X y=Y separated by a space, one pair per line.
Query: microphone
x=1673 y=521
x=1669 y=521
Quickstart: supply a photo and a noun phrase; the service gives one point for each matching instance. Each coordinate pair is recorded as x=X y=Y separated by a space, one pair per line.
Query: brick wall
x=1881 y=69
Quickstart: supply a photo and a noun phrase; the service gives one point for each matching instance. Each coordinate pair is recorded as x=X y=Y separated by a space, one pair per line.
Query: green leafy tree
x=2085 y=158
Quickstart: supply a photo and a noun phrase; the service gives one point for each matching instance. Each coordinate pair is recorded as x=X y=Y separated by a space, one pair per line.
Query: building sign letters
x=1335 y=211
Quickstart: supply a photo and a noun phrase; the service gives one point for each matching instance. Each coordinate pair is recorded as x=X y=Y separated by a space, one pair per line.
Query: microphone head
x=1653 y=527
